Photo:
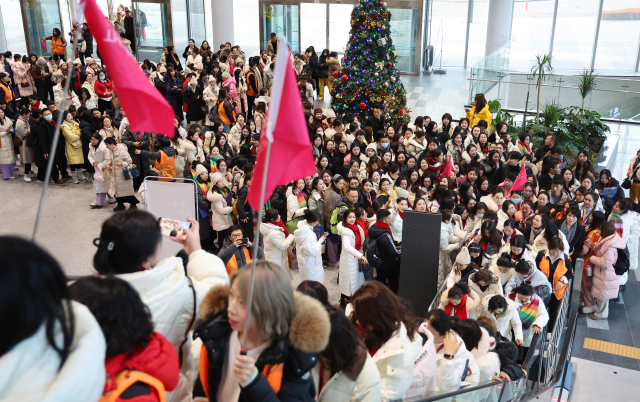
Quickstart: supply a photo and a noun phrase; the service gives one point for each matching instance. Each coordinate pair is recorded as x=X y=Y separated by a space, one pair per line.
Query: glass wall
x=404 y=28
x=478 y=31
x=42 y=17
x=619 y=35
x=197 y=26
x=152 y=21
x=246 y=23
x=575 y=33
x=180 y=26
x=281 y=20
x=447 y=32
x=314 y=30
x=13 y=29
x=339 y=26
x=531 y=28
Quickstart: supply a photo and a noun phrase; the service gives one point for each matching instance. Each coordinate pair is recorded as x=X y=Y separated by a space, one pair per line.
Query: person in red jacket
x=104 y=89
x=141 y=365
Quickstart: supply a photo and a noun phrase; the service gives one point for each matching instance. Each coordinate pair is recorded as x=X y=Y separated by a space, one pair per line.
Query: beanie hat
x=215 y=177
x=41 y=61
x=200 y=168
x=463 y=257
x=226 y=75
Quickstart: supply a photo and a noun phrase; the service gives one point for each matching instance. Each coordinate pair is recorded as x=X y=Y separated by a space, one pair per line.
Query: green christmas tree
x=369 y=76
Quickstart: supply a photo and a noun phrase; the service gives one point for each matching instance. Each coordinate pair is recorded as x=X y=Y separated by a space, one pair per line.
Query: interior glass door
x=404 y=31
x=42 y=16
x=339 y=26
x=281 y=19
x=197 y=27
x=152 y=31
x=313 y=30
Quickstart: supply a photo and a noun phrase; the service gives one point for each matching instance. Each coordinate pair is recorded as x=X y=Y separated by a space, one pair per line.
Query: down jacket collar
x=473 y=301
x=511 y=305
x=308 y=332
x=495 y=287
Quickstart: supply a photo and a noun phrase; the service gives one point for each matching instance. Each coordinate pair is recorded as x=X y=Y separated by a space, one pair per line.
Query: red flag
x=146 y=108
x=447 y=169
x=520 y=181
x=291 y=156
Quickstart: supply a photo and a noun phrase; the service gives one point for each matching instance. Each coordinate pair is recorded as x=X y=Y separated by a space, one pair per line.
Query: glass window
x=530 y=31
x=42 y=17
x=180 y=27
x=339 y=26
x=13 y=28
x=154 y=30
x=478 y=31
x=447 y=31
x=246 y=23
x=619 y=35
x=281 y=20
x=404 y=24
x=314 y=26
x=196 y=21
x=575 y=32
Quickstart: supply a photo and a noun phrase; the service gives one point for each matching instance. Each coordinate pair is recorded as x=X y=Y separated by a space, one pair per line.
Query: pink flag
x=291 y=157
x=520 y=181
x=146 y=108
x=447 y=169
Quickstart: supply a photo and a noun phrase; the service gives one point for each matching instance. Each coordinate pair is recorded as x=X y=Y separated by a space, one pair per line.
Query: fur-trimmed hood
x=495 y=287
x=491 y=204
x=488 y=361
x=308 y=332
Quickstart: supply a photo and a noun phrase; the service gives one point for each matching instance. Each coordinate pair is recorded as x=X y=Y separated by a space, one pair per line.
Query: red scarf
x=401 y=213
x=36 y=106
x=282 y=225
x=363 y=225
x=460 y=310
x=382 y=225
x=355 y=229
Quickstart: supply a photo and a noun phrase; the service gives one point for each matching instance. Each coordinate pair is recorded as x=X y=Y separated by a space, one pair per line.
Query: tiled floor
x=622 y=327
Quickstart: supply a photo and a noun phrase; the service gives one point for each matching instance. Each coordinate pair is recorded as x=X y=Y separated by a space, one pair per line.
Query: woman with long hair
x=309 y=248
x=479 y=111
x=387 y=324
x=352 y=236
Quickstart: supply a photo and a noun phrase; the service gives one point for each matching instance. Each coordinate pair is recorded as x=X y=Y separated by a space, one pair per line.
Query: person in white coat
x=502 y=267
x=352 y=236
x=220 y=209
x=7 y=154
x=630 y=234
x=349 y=373
x=423 y=384
x=399 y=206
x=533 y=313
x=309 y=248
x=504 y=314
x=485 y=283
x=487 y=360
x=459 y=301
x=448 y=243
x=296 y=200
x=55 y=349
x=128 y=247
x=99 y=157
x=390 y=335
x=276 y=242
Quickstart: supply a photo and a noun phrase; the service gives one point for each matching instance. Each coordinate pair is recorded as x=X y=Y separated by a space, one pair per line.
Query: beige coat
x=123 y=188
x=104 y=132
x=220 y=212
x=7 y=156
x=102 y=155
x=210 y=95
x=58 y=97
x=22 y=130
x=21 y=75
x=72 y=133
x=193 y=152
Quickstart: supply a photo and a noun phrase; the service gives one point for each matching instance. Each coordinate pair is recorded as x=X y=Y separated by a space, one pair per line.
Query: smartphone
x=244 y=241
x=174 y=227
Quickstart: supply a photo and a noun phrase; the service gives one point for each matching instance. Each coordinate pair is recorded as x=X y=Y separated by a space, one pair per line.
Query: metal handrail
x=551 y=85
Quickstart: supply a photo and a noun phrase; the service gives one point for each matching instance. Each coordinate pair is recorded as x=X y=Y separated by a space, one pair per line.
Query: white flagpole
x=273 y=114
x=56 y=134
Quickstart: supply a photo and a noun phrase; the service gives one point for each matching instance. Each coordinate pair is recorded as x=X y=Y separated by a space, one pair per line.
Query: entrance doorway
x=152 y=20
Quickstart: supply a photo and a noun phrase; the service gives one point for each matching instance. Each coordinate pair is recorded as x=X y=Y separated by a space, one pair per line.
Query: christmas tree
x=369 y=76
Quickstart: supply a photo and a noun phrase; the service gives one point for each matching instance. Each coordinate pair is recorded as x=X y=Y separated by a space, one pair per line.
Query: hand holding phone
x=174 y=227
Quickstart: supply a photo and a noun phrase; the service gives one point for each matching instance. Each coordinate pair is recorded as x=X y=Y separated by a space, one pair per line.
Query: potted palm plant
x=540 y=72
x=586 y=83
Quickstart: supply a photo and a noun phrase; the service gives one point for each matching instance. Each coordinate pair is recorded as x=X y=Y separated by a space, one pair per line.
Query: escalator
x=547 y=362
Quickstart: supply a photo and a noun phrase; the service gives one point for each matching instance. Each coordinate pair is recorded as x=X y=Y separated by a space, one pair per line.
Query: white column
x=499 y=24
x=3 y=39
x=222 y=12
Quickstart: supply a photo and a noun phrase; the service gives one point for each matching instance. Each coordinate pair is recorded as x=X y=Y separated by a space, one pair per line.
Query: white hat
x=200 y=169
x=215 y=177
x=463 y=257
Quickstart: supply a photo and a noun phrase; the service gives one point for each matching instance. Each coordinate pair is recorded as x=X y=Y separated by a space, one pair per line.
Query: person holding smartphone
x=237 y=250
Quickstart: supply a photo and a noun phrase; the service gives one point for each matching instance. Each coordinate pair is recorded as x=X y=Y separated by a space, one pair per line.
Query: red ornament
x=401 y=112
x=390 y=64
x=345 y=78
x=336 y=74
x=381 y=3
x=383 y=93
x=363 y=105
x=368 y=92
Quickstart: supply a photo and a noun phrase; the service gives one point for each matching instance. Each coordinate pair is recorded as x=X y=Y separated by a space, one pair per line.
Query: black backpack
x=623 y=262
x=370 y=248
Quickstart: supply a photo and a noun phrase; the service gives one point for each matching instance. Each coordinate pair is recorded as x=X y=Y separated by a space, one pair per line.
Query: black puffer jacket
x=308 y=335
x=508 y=353
x=389 y=253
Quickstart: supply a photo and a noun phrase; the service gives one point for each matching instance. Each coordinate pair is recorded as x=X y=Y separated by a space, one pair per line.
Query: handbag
x=626 y=183
x=133 y=171
x=115 y=103
x=17 y=141
x=24 y=84
x=126 y=174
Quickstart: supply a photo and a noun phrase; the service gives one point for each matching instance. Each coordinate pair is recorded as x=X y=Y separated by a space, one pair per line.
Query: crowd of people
x=506 y=256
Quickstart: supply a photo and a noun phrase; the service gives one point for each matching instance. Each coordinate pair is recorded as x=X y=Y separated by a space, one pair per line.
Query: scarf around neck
x=302 y=201
x=382 y=225
x=569 y=233
x=356 y=231
x=529 y=311
x=460 y=310
x=281 y=224
x=524 y=149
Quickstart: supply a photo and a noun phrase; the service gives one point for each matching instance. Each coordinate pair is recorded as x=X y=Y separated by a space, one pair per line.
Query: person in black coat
x=314 y=64
x=576 y=237
x=88 y=39
x=609 y=190
x=173 y=94
x=192 y=96
x=134 y=141
x=376 y=122
x=245 y=212
x=387 y=248
x=129 y=29
x=366 y=196
x=278 y=201
x=42 y=141
x=508 y=354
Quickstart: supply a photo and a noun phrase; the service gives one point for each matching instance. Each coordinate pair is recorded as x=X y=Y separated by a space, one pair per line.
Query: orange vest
x=232 y=265
x=56 y=46
x=166 y=166
x=127 y=378
x=273 y=373
x=250 y=91
x=594 y=235
x=222 y=114
x=8 y=92
x=561 y=269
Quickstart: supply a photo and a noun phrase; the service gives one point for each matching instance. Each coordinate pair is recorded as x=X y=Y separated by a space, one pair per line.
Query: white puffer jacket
x=495 y=287
x=366 y=388
x=527 y=254
x=542 y=318
x=275 y=244
x=504 y=277
x=488 y=361
x=293 y=206
x=448 y=243
x=309 y=248
x=396 y=226
x=509 y=320
x=473 y=301
x=30 y=370
x=395 y=360
x=220 y=211
x=166 y=290
x=424 y=371
x=630 y=234
x=102 y=156
x=451 y=372
x=7 y=155
x=350 y=277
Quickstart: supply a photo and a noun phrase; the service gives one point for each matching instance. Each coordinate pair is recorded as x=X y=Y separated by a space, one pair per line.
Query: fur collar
x=473 y=300
x=309 y=329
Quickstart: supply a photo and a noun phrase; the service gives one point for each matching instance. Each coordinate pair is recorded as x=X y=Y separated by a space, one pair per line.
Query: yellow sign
x=31 y=4
x=269 y=10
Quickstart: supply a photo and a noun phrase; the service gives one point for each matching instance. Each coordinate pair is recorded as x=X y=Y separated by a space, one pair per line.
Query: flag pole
x=56 y=136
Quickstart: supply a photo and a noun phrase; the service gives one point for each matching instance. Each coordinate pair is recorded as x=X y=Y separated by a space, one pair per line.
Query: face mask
x=385 y=145
x=516 y=201
x=48 y=118
x=101 y=79
x=480 y=216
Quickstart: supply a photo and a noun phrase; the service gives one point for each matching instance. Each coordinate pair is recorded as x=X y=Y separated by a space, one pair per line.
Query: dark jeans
x=104 y=105
x=130 y=199
x=554 y=305
x=55 y=173
x=390 y=275
x=222 y=234
x=250 y=100
x=61 y=163
x=247 y=229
